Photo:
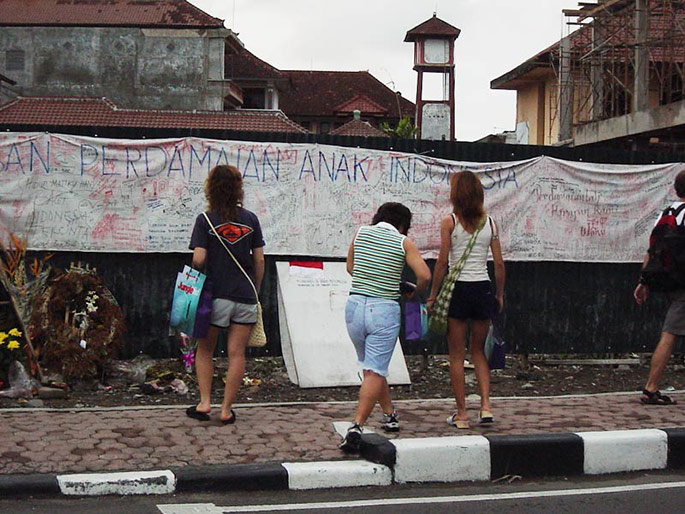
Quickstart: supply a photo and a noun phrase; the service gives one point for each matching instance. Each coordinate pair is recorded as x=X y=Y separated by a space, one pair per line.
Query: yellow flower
x=14 y=332
x=13 y=345
x=3 y=336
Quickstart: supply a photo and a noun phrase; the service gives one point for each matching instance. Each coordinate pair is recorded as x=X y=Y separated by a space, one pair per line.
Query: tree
x=403 y=130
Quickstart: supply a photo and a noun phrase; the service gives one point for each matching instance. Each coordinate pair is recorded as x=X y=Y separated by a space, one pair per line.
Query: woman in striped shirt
x=375 y=260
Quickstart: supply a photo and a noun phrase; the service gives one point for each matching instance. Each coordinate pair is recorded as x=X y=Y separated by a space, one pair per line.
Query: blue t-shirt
x=240 y=236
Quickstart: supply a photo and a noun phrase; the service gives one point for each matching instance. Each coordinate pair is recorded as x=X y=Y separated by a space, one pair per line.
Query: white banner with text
x=72 y=193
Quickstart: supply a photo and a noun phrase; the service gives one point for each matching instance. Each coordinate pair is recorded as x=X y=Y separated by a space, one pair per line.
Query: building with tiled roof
x=321 y=101
x=259 y=81
x=41 y=113
x=358 y=128
x=163 y=54
x=105 y=13
x=324 y=100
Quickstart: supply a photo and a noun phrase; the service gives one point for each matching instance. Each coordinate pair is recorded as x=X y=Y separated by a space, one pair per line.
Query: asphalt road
x=638 y=493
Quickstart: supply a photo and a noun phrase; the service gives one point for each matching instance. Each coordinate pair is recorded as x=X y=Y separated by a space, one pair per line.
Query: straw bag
x=257 y=335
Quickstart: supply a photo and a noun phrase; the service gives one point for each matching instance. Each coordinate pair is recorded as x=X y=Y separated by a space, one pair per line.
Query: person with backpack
x=661 y=272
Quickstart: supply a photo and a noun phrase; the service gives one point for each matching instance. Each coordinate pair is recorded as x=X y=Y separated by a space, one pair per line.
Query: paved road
x=638 y=493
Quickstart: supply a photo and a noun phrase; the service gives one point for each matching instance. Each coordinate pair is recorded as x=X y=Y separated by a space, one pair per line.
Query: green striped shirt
x=378 y=261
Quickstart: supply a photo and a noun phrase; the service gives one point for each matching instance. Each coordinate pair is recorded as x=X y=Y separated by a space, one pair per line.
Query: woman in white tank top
x=473 y=302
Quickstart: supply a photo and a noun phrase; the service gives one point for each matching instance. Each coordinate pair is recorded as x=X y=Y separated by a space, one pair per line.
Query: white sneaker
x=352 y=441
x=390 y=423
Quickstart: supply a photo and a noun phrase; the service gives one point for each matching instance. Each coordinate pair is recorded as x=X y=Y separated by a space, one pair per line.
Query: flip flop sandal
x=230 y=420
x=656 y=398
x=485 y=417
x=192 y=412
x=461 y=424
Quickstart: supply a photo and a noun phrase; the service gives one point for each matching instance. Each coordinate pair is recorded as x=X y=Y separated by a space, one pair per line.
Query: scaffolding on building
x=623 y=56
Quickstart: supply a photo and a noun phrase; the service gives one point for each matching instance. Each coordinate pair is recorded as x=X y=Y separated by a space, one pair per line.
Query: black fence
x=550 y=307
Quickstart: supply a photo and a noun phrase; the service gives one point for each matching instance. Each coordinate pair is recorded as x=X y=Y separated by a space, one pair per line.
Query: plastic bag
x=189 y=285
x=21 y=384
x=415 y=321
x=495 y=349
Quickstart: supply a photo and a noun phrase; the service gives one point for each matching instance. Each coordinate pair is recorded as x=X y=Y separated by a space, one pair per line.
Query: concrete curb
x=433 y=459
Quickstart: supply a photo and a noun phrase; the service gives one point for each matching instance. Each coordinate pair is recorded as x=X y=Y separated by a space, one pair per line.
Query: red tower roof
x=434 y=27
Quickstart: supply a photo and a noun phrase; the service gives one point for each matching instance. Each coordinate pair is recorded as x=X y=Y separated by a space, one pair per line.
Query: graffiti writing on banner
x=105 y=195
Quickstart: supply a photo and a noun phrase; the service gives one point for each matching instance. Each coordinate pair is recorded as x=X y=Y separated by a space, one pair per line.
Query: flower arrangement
x=10 y=343
x=23 y=279
x=187 y=351
x=78 y=325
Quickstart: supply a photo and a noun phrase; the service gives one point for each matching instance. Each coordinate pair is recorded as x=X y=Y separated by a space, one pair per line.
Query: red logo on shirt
x=233 y=232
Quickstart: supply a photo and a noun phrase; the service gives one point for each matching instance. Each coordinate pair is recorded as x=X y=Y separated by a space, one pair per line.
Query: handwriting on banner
x=88 y=194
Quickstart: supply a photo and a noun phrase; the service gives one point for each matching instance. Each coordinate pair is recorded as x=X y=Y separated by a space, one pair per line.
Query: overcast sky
x=352 y=35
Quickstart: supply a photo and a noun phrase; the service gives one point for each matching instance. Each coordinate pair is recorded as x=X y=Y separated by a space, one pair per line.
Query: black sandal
x=192 y=412
x=656 y=398
x=230 y=420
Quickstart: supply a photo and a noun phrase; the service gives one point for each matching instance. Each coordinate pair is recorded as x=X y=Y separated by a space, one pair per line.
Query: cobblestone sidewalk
x=130 y=439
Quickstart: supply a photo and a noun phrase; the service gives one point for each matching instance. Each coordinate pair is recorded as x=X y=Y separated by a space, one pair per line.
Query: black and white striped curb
x=433 y=459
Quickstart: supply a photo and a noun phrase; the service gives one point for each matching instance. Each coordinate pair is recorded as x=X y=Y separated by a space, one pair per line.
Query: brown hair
x=679 y=184
x=466 y=195
x=224 y=191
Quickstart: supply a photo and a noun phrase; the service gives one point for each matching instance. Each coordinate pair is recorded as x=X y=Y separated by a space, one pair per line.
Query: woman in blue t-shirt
x=234 y=305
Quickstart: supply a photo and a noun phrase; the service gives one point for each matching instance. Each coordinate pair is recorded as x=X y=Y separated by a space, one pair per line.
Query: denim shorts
x=225 y=312
x=374 y=326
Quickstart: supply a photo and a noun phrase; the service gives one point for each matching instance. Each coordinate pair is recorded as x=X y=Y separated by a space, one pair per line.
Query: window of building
x=673 y=89
x=324 y=127
x=254 y=98
x=15 y=60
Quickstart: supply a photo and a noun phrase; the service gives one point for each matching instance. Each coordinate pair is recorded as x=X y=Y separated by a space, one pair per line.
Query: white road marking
x=448 y=499
x=190 y=508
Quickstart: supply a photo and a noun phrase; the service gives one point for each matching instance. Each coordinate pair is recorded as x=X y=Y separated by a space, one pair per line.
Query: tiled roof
x=319 y=93
x=102 y=112
x=245 y=65
x=363 y=104
x=433 y=27
x=138 y=13
x=358 y=128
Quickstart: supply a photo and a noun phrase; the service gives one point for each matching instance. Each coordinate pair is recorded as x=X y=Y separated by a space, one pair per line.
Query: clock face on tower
x=436 y=51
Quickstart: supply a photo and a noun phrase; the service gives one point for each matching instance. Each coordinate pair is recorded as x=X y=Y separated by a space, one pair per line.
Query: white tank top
x=476 y=266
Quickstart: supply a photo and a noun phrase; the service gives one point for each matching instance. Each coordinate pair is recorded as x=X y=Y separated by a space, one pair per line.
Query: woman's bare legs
x=237 y=341
x=456 y=340
x=479 y=333
x=204 y=367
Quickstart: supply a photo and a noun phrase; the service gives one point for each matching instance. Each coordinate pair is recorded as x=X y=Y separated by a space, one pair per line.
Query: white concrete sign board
x=316 y=348
x=435 y=122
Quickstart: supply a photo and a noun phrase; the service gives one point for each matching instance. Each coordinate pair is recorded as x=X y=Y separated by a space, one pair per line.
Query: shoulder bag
x=438 y=319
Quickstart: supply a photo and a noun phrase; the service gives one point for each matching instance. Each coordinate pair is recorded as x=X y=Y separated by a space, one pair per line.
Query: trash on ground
x=21 y=384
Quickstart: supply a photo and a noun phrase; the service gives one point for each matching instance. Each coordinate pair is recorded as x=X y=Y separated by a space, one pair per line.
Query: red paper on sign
x=314 y=264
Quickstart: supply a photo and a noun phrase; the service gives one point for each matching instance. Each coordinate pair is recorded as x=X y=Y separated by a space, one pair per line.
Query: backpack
x=665 y=270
